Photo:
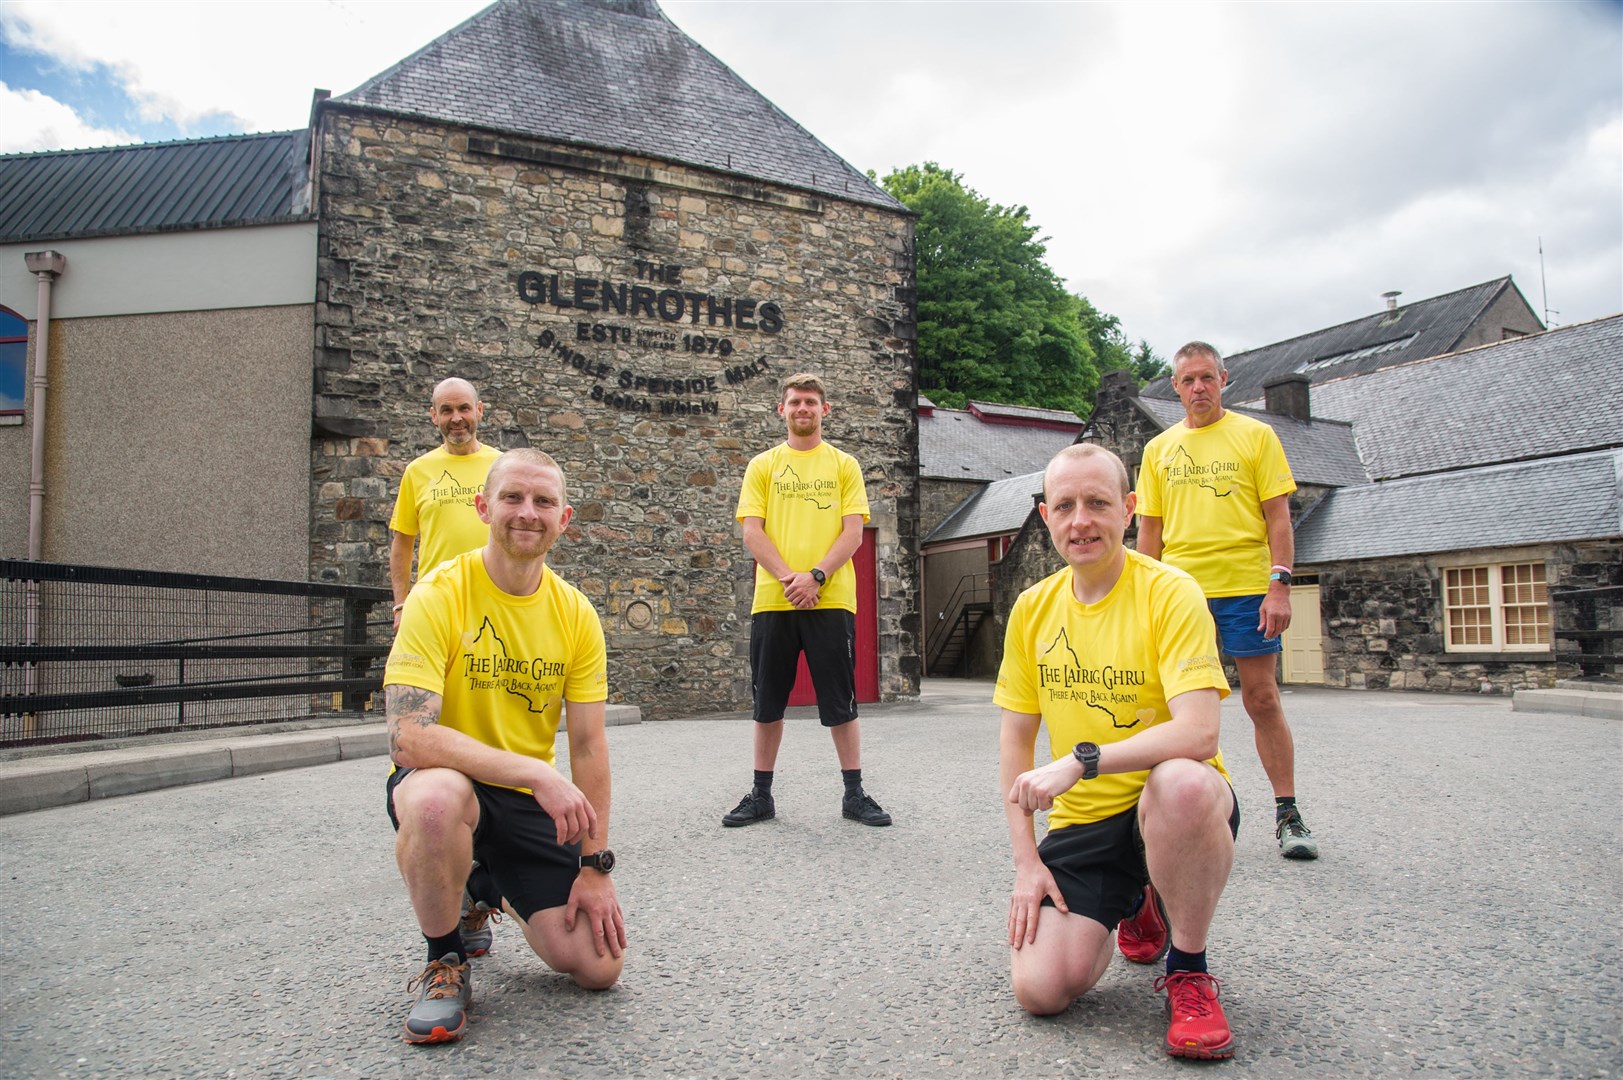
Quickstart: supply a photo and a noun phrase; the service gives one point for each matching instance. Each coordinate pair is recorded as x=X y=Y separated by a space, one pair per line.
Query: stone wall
x=939 y=498
x=632 y=318
x=1383 y=622
x=1118 y=422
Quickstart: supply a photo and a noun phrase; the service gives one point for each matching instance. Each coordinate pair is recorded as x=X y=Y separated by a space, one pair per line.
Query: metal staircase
x=946 y=647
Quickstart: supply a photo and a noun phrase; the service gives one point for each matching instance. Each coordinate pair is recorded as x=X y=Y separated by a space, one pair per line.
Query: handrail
x=962 y=596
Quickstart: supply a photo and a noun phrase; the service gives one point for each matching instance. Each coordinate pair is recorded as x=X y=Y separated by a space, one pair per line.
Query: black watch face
x=818 y=576
x=602 y=861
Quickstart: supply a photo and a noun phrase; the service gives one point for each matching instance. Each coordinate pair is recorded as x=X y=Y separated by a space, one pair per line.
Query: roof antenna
x=1391 y=299
x=1544 y=286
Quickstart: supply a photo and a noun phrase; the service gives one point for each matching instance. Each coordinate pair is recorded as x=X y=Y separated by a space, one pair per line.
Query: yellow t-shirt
x=1103 y=672
x=1207 y=485
x=802 y=496
x=503 y=665
x=436 y=504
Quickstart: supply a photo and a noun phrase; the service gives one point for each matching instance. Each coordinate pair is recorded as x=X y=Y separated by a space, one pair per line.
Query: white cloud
x=33 y=121
x=255 y=61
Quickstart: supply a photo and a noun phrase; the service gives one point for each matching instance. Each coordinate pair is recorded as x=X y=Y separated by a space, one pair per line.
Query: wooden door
x=1303 y=661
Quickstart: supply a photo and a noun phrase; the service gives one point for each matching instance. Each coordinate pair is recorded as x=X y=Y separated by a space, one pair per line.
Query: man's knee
x=434 y=801
x=598 y=972
x=1186 y=793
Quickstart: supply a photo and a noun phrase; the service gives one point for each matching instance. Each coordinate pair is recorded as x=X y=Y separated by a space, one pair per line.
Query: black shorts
x=516 y=843
x=1099 y=865
x=829 y=639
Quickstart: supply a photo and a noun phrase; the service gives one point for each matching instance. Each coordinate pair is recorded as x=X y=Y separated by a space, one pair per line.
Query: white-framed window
x=1496 y=608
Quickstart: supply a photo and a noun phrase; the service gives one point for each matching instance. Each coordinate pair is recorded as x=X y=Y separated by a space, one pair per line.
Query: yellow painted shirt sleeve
x=1207 y=485
x=802 y=498
x=502 y=665
x=1104 y=672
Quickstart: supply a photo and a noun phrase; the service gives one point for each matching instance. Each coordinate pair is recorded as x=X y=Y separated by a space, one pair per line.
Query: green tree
x=995 y=322
x=1113 y=352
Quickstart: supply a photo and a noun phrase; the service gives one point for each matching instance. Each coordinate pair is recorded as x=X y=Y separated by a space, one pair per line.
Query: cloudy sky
x=1237 y=172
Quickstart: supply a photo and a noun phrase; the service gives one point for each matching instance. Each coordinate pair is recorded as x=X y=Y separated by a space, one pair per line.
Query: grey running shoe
x=1295 y=841
x=862 y=808
x=443 y=995
x=754 y=807
x=476 y=933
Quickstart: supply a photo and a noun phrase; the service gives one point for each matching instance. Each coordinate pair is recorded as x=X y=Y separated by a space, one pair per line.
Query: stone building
x=975 y=471
x=568 y=202
x=1478 y=315
x=573 y=205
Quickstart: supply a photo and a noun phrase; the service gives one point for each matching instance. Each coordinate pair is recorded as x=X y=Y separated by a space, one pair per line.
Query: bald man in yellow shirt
x=1116 y=656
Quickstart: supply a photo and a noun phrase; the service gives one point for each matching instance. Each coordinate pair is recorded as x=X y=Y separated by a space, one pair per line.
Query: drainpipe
x=46 y=265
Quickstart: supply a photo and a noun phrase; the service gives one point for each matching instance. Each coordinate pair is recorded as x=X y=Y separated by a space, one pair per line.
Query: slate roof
x=1409 y=332
x=998 y=508
x=229 y=181
x=612 y=74
x=956 y=445
x=1553 y=500
x=1319 y=451
x=1546 y=394
x=993 y=410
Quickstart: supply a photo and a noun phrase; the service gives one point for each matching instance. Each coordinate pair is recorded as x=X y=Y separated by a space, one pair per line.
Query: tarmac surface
x=1463 y=920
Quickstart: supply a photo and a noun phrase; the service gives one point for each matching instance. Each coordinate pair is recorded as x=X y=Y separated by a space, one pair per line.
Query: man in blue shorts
x=1214 y=500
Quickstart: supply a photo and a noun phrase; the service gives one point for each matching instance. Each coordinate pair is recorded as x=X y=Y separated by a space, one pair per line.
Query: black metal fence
x=92 y=652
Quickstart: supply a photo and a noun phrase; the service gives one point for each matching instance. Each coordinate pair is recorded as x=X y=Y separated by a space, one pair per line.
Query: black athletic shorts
x=1099 y=865
x=516 y=843
x=829 y=639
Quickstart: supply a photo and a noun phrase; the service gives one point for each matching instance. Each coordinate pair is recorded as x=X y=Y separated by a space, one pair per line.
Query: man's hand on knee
x=593 y=898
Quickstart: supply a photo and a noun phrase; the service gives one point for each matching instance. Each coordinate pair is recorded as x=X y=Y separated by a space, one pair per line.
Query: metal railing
x=92 y=652
x=1600 y=647
x=954 y=624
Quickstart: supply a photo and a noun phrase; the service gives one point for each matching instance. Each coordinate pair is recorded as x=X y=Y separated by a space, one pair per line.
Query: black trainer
x=756 y=806
x=862 y=808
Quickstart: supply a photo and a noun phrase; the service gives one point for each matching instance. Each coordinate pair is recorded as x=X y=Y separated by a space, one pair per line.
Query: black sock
x=450 y=943
x=853 y=781
x=1178 y=960
x=1283 y=805
x=763 y=781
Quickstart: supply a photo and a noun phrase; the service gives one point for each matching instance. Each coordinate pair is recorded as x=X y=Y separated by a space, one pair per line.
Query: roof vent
x=1391 y=299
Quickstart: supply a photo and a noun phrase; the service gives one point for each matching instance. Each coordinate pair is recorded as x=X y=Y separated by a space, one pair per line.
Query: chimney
x=1120 y=381
x=1287 y=395
x=1391 y=299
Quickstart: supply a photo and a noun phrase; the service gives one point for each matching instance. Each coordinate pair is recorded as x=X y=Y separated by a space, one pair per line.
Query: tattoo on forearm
x=408 y=704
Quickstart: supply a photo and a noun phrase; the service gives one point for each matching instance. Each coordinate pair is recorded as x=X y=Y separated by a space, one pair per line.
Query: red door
x=867 y=632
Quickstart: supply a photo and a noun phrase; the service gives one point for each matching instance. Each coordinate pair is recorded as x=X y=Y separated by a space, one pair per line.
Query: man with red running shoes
x=1117 y=655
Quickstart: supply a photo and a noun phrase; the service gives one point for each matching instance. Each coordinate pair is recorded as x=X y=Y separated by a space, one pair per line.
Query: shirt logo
x=789 y=485
x=447 y=489
x=1063 y=677
x=1218 y=477
x=534 y=681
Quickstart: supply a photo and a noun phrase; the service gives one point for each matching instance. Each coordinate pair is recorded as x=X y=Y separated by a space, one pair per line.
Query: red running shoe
x=1145 y=937
x=1196 y=1025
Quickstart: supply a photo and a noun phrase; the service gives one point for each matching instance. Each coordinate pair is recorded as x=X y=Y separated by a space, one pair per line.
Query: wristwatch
x=1088 y=754
x=601 y=861
x=818 y=576
x=1281 y=576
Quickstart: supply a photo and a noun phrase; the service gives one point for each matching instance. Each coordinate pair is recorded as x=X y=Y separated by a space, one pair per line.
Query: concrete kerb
x=38 y=783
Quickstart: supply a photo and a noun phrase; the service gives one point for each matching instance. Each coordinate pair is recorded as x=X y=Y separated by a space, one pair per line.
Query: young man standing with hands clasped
x=803 y=505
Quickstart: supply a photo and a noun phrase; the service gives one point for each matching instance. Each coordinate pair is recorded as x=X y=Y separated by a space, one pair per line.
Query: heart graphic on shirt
x=1145 y=716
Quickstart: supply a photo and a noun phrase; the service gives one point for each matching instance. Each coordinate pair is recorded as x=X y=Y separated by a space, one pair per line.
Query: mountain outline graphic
x=789 y=470
x=501 y=647
x=1180 y=452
